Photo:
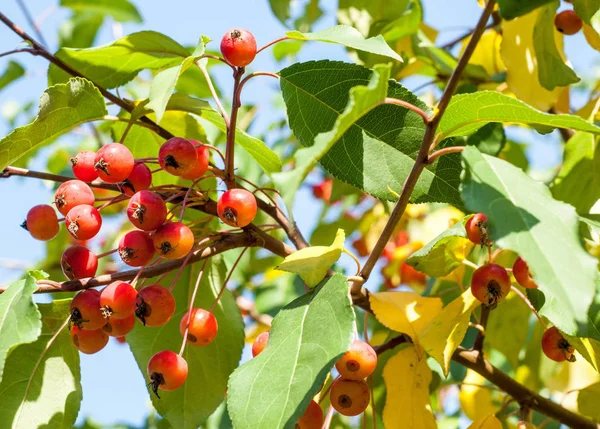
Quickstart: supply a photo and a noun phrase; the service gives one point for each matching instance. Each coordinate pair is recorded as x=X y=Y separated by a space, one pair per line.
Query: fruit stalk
x=231 y=128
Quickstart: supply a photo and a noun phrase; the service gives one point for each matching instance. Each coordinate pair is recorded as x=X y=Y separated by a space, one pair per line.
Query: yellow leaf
x=445 y=332
x=592 y=36
x=487 y=52
x=406 y=312
x=487 y=422
x=312 y=263
x=407 y=379
x=475 y=402
x=589 y=348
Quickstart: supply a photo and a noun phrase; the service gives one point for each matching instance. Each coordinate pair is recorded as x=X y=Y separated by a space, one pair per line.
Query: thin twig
x=32 y=23
x=530 y=305
x=229 y=274
x=281 y=39
x=445 y=151
x=190 y=307
x=213 y=92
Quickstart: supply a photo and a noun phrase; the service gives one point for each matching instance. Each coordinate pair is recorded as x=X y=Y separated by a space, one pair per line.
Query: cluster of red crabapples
x=491 y=283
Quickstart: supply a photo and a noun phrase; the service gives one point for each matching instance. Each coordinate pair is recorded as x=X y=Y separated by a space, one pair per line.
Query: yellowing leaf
x=447 y=329
x=312 y=263
x=588 y=348
x=407 y=379
x=406 y=312
x=487 y=52
x=592 y=37
x=475 y=401
x=487 y=422
x=588 y=400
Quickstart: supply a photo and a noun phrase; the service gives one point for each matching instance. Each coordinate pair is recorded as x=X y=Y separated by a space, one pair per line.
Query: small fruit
x=522 y=275
x=88 y=341
x=238 y=46
x=490 y=284
x=201 y=164
x=312 y=417
x=155 y=305
x=388 y=251
x=83 y=222
x=173 y=240
x=85 y=310
x=177 y=156
x=358 y=362
x=237 y=207
x=41 y=222
x=82 y=165
x=477 y=230
x=121 y=340
x=119 y=327
x=410 y=276
x=323 y=190
x=202 y=329
x=349 y=397
x=147 y=210
x=113 y=162
x=167 y=371
x=556 y=347
x=78 y=262
x=136 y=248
x=568 y=22
x=260 y=343
x=360 y=245
x=139 y=179
x=71 y=194
x=117 y=300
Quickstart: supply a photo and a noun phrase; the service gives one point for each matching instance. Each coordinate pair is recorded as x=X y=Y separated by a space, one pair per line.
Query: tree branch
x=231 y=129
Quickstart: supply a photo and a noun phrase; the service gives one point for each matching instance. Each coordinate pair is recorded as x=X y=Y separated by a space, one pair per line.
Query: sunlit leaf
x=119 y=10
x=13 y=71
x=487 y=422
x=475 y=399
x=588 y=400
x=510 y=9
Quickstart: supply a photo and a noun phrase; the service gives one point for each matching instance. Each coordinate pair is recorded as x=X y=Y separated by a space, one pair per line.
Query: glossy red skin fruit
x=119 y=327
x=171 y=367
x=140 y=179
x=136 y=248
x=568 y=22
x=72 y=194
x=349 y=397
x=203 y=327
x=260 y=343
x=490 y=284
x=556 y=347
x=358 y=362
x=474 y=230
x=177 y=156
x=78 y=262
x=238 y=47
x=410 y=276
x=173 y=240
x=88 y=341
x=522 y=275
x=147 y=210
x=155 y=305
x=323 y=190
x=85 y=310
x=237 y=207
x=82 y=165
x=113 y=162
x=312 y=417
x=42 y=222
x=119 y=299
x=83 y=222
x=201 y=164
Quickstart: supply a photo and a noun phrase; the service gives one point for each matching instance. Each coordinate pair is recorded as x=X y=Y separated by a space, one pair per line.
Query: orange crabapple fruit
x=556 y=347
x=237 y=207
x=119 y=327
x=358 y=362
x=73 y=193
x=312 y=417
x=349 y=397
x=155 y=305
x=238 y=47
x=83 y=222
x=568 y=22
x=490 y=284
x=522 y=274
x=117 y=300
x=85 y=310
x=173 y=240
x=202 y=328
x=88 y=341
x=41 y=222
x=147 y=210
x=136 y=248
x=113 y=162
x=260 y=343
x=477 y=230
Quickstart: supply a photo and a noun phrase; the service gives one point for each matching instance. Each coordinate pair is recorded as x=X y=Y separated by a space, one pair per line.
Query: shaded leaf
x=281 y=9
x=13 y=71
x=80 y=30
x=119 y=10
x=586 y=9
x=510 y=9
x=588 y=400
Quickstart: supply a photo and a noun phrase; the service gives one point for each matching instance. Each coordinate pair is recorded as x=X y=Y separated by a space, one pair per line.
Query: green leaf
x=62 y=107
x=443 y=254
x=489 y=139
x=552 y=69
x=405 y=25
x=117 y=63
x=273 y=389
x=13 y=71
x=544 y=232
x=587 y=401
x=469 y=112
x=349 y=37
x=379 y=150
x=585 y=9
x=510 y=9
x=41 y=386
x=286 y=49
x=119 y=10
x=80 y=30
x=210 y=366
x=281 y=10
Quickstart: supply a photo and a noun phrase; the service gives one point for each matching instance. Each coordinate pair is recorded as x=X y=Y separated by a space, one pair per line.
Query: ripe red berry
x=155 y=305
x=117 y=300
x=490 y=284
x=119 y=327
x=312 y=417
x=202 y=329
x=556 y=347
x=85 y=310
x=167 y=371
x=201 y=164
x=410 y=276
x=358 y=362
x=88 y=341
x=177 y=156
x=522 y=275
x=360 y=245
x=173 y=240
x=136 y=248
x=568 y=22
x=83 y=222
x=147 y=210
x=260 y=343
x=388 y=251
x=71 y=194
x=323 y=190
x=477 y=230
x=237 y=207
x=82 y=165
x=113 y=162
x=139 y=179
x=349 y=397
x=238 y=46
x=78 y=262
x=41 y=222
x=121 y=340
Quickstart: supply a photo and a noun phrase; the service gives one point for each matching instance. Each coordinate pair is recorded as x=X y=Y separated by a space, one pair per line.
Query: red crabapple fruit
x=237 y=207
x=155 y=305
x=71 y=194
x=88 y=341
x=117 y=300
x=85 y=310
x=490 y=284
x=238 y=46
x=556 y=347
x=147 y=210
x=83 y=222
x=113 y=162
x=82 y=165
x=41 y=222
x=139 y=179
x=78 y=262
x=167 y=371
x=177 y=156
x=173 y=240
x=202 y=329
x=136 y=248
